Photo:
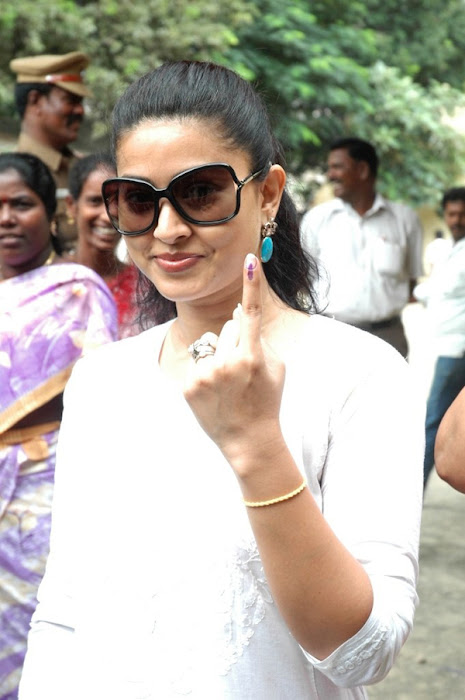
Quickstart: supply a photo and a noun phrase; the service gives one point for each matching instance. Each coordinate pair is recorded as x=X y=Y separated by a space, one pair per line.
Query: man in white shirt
x=444 y=296
x=369 y=248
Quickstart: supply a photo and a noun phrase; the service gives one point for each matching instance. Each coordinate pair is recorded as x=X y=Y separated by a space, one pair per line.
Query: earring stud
x=267 y=230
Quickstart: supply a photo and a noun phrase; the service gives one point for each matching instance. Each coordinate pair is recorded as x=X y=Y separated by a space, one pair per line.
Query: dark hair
x=22 y=91
x=360 y=150
x=83 y=167
x=454 y=194
x=183 y=89
x=35 y=174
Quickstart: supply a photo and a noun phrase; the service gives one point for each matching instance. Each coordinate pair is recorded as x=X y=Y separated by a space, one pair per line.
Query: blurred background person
x=50 y=315
x=49 y=96
x=443 y=294
x=97 y=238
x=369 y=248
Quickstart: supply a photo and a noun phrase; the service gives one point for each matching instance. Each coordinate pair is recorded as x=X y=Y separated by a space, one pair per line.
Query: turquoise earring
x=268 y=230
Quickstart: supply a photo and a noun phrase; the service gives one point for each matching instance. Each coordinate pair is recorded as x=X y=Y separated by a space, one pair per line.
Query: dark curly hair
x=454 y=194
x=83 y=167
x=35 y=174
x=359 y=150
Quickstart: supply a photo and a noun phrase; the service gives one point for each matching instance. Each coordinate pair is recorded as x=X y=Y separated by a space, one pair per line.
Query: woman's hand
x=235 y=394
x=323 y=592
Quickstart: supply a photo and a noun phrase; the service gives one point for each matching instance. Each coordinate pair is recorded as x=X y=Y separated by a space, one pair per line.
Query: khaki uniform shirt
x=59 y=164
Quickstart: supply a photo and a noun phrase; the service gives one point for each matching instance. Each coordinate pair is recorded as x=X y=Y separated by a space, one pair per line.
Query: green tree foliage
x=425 y=38
x=344 y=67
x=388 y=72
x=131 y=37
x=124 y=38
x=421 y=154
x=34 y=27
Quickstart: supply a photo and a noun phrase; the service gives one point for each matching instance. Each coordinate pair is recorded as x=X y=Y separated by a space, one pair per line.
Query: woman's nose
x=103 y=214
x=170 y=225
x=6 y=213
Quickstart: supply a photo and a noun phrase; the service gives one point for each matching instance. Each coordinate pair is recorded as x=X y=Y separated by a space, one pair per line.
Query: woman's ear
x=54 y=228
x=71 y=209
x=272 y=189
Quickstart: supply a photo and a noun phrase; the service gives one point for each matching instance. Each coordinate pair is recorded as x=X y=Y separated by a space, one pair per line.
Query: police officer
x=49 y=96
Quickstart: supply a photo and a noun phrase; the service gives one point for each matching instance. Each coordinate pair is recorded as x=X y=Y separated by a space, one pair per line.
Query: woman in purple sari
x=51 y=313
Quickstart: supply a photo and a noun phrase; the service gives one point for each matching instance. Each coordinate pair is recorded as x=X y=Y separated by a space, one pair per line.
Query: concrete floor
x=431 y=666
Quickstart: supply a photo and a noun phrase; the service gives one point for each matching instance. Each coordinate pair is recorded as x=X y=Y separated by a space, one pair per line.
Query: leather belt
x=378 y=325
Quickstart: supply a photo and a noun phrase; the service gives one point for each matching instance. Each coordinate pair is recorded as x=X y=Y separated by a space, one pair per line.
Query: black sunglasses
x=205 y=195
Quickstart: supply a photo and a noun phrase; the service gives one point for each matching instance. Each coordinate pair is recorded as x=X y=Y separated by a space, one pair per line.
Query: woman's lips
x=177 y=262
x=10 y=240
x=104 y=232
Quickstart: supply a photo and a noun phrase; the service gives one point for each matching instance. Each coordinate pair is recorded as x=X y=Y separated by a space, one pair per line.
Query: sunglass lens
x=206 y=194
x=130 y=205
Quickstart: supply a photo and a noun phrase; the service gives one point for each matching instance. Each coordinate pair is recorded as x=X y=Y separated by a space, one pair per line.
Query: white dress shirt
x=154 y=587
x=367 y=261
x=443 y=293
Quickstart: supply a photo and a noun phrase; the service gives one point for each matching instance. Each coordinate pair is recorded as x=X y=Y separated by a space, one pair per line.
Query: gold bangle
x=279 y=499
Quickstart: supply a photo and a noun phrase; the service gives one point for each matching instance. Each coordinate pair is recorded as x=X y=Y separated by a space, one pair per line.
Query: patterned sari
x=49 y=318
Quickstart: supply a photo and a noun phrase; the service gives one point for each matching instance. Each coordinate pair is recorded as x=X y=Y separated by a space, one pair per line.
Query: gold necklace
x=50 y=258
x=49 y=261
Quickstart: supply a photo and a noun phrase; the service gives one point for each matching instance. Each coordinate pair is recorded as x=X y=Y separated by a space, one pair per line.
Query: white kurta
x=154 y=587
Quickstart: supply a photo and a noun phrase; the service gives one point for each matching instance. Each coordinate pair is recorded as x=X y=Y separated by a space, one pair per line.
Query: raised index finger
x=251 y=317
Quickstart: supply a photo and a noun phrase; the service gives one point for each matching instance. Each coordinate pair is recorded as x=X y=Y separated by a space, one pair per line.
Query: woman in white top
x=242 y=520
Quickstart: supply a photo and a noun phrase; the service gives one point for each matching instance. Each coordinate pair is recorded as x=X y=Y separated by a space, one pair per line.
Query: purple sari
x=49 y=318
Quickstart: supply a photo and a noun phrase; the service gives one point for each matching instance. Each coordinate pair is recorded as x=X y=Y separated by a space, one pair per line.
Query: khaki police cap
x=63 y=71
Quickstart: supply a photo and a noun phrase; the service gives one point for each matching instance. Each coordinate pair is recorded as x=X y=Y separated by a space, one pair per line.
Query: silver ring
x=201 y=348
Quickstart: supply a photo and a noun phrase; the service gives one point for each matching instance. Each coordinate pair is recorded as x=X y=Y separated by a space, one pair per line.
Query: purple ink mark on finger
x=250 y=265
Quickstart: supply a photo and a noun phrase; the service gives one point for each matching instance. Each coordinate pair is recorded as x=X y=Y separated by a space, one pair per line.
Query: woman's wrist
x=265 y=469
x=250 y=449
